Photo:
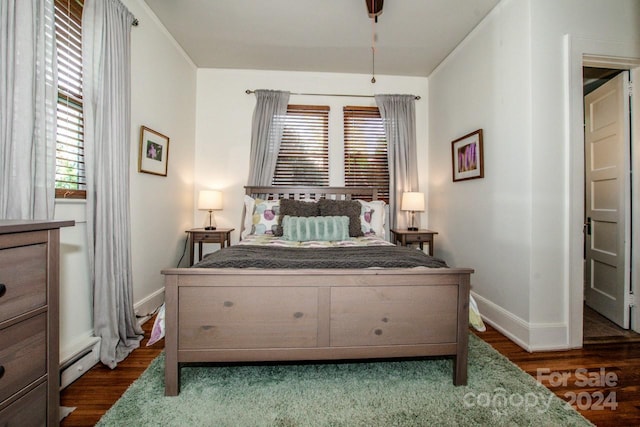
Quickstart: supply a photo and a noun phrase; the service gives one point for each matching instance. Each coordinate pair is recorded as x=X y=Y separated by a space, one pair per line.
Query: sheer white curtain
x=106 y=33
x=266 y=133
x=28 y=94
x=399 y=117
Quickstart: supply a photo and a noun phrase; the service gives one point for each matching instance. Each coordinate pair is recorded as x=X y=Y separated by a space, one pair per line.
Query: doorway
x=607 y=206
x=589 y=52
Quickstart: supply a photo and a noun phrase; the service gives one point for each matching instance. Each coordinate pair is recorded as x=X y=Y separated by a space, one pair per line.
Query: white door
x=607 y=188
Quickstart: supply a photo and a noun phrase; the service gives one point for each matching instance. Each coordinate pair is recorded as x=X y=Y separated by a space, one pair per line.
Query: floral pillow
x=373 y=217
x=265 y=216
x=366 y=215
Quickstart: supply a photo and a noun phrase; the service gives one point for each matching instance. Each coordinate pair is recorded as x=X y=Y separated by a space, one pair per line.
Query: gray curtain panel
x=106 y=33
x=399 y=117
x=266 y=133
x=28 y=97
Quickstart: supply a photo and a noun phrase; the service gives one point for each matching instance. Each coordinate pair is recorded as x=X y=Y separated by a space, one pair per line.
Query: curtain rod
x=249 y=91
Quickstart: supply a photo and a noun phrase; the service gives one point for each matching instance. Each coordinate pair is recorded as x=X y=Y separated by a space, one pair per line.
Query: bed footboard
x=233 y=315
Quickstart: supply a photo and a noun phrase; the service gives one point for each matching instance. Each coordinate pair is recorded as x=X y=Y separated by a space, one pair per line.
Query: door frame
x=580 y=52
x=611 y=303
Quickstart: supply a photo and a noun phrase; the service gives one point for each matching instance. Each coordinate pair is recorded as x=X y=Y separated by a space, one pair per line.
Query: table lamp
x=210 y=200
x=412 y=201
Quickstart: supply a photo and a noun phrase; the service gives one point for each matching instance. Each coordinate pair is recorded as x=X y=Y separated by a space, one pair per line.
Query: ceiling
x=412 y=36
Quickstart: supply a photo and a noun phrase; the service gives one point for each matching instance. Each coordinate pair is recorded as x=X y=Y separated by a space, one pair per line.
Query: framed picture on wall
x=467 y=157
x=154 y=152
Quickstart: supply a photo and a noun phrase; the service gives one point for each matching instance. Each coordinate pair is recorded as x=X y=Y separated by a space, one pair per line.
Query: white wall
x=485 y=223
x=509 y=78
x=163 y=98
x=551 y=20
x=224 y=113
x=76 y=297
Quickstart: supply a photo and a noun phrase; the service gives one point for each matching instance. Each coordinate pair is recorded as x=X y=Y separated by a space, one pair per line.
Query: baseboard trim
x=549 y=336
x=530 y=336
x=147 y=306
x=507 y=323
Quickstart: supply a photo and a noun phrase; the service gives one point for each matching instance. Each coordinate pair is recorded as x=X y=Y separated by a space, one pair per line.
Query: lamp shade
x=412 y=201
x=210 y=200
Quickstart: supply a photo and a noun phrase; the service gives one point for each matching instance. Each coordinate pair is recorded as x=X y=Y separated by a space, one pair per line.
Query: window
x=365 y=150
x=70 y=171
x=304 y=150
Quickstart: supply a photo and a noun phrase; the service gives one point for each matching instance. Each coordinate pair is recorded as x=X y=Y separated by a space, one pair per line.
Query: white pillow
x=377 y=216
x=249 y=204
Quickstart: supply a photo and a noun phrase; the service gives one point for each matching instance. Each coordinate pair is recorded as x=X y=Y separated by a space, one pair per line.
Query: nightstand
x=406 y=237
x=222 y=236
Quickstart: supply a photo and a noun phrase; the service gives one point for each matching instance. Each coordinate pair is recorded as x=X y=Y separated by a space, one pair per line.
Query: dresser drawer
x=417 y=238
x=23 y=354
x=29 y=410
x=208 y=237
x=23 y=279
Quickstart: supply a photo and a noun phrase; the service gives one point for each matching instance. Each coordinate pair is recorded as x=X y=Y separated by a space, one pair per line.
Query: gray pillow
x=349 y=208
x=298 y=208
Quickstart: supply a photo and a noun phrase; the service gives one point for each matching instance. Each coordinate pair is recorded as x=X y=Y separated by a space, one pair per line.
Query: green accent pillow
x=303 y=229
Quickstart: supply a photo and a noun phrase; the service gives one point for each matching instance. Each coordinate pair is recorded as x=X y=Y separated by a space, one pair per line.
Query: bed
x=274 y=313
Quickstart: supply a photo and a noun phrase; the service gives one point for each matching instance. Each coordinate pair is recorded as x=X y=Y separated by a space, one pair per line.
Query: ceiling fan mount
x=374 y=7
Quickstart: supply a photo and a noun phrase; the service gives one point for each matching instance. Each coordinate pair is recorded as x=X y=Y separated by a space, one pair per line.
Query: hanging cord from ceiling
x=374 y=20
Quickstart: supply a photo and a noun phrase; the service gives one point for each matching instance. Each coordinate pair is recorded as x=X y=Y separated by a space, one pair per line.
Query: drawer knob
x=1 y=371
x=3 y=289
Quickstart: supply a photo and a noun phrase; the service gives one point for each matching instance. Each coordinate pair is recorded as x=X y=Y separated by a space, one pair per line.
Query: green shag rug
x=389 y=393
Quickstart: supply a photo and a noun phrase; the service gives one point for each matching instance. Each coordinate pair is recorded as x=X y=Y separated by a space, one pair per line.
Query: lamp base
x=412 y=228
x=209 y=227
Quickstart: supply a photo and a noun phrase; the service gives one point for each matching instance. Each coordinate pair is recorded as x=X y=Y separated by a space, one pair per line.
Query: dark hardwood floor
x=595 y=376
x=598 y=329
x=619 y=363
x=97 y=390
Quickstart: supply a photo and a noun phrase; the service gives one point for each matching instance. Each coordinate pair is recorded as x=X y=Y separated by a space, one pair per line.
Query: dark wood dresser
x=29 y=377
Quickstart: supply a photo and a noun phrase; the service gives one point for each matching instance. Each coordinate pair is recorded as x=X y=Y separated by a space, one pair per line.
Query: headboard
x=312 y=193
x=307 y=193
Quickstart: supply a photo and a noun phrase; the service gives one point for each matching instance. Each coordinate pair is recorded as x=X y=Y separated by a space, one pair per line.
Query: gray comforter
x=343 y=257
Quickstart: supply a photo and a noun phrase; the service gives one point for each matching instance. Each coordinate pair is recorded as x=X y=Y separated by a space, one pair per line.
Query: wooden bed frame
x=249 y=315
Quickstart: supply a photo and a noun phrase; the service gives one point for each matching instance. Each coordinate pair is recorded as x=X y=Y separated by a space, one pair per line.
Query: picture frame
x=467 y=157
x=154 y=152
